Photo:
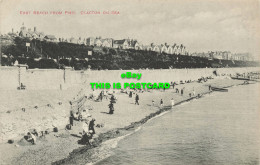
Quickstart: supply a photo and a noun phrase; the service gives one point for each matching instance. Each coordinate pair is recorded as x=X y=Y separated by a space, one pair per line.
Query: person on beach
x=172 y=101
x=104 y=95
x=85 y=126
x=34 y=132
x=137 y=99
x=86 y=137
x=182 y=91
x=161 y=102
x=31 y=138
x=153 y=102
x=91 y=125
x=84 y=114
x=193 y=92
x=209 y=87
x=101 y=96
x=130 y=94
x=71 y=118
x=177 y=90
x=111 y=105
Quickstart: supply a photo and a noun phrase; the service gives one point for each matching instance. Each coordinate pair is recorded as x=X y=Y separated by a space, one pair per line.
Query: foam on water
x=158 y=116
x=104 y=151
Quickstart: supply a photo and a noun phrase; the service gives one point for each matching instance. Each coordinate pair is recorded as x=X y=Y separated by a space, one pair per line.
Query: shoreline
x=120 y=132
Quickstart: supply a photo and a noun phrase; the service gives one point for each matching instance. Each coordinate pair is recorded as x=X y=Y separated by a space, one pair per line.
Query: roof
x=50 y=37
x=155 y=46
x=96 y=40
x=106 y=40
x=133 y=42
x=23 y=33
x=119 y=41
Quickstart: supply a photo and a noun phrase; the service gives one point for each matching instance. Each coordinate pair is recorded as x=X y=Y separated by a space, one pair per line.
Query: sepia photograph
x=129 y=82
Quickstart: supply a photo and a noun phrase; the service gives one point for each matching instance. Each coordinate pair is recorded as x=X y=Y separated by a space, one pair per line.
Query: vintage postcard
x=171 y=82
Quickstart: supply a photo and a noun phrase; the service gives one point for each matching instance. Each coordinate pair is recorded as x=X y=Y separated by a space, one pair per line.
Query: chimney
x=12 y=30
x=35 y=29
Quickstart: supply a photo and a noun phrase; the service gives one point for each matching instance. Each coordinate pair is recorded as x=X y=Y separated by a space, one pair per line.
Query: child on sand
x=130 y=94
x=172 y=101
x=137 y=99
x=161 y=102
x=182 y=91
x=91 y=125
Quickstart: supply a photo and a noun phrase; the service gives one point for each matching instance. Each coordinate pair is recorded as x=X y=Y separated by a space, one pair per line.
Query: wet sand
x=62 y=147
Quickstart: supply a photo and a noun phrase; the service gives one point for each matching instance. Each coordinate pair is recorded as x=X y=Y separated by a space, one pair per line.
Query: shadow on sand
x=106 y=113
x=75 y=135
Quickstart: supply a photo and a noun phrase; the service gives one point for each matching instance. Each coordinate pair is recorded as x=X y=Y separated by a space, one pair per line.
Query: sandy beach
x=62 y=147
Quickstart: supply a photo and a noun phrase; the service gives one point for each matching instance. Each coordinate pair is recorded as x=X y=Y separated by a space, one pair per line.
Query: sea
x=222 y=128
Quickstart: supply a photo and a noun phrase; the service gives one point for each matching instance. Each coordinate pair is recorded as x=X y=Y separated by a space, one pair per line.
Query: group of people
x=130 y=94
x=88 y=130
x=161 y=102
x=34 y=134
x=204 y=79
x=182 y=90
x=102 y=95
x=88 y=125
x=31 y=137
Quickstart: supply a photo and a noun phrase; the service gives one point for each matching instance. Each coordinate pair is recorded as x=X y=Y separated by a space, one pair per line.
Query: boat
x=242 y=78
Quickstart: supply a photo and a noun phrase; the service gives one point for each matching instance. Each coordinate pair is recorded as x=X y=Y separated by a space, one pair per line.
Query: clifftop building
x=32 y=34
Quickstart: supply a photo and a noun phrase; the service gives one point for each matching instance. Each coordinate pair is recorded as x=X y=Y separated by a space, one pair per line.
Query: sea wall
x=37 y=79
x=166 y=75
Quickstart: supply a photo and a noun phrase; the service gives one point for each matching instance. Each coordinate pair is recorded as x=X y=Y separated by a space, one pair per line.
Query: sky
x=200 y=25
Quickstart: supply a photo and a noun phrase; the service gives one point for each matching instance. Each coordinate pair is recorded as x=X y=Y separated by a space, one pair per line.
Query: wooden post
x=64 y=75
x=19 y=75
